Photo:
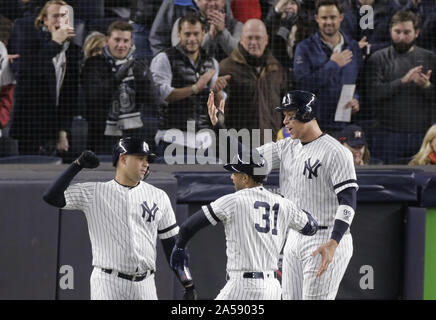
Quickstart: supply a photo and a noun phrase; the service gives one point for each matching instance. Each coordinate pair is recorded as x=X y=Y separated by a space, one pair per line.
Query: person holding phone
x=47 y=82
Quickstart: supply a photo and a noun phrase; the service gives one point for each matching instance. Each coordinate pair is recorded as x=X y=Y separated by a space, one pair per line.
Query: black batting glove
x=179 y=258
x=190 y=293
x=87 y=159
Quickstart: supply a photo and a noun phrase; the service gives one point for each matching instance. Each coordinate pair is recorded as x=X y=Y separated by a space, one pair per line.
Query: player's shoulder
x=151 y=188
x=86 y=185
x=231 y=197
x=287 y=143
x=336 y=150
x=332 y=144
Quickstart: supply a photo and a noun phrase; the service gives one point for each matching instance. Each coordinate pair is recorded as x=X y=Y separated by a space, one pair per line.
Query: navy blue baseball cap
x=353 y=135
x=131 y=145
x=246 y=161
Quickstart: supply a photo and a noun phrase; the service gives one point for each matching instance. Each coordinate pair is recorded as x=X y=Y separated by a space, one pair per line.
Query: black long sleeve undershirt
x=55 y=193
x=190 y=227
x=345 y=197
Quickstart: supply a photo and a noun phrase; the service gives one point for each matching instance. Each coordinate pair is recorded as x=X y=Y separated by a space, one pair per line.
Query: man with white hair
x=257 y=82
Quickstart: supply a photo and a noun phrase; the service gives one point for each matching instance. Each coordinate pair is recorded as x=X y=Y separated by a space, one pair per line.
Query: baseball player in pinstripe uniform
x=256 y=222
x=318 y=174
x=125 y=216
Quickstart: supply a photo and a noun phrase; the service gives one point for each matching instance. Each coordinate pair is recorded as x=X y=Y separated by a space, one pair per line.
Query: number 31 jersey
x=256 y=224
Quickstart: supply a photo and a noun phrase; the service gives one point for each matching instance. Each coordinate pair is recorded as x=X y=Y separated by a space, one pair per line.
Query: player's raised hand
x=327 y=251
x=212 y=109
x=88 y=159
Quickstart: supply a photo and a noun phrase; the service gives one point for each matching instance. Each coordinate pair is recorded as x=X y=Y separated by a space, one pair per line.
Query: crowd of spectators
x=146 y=67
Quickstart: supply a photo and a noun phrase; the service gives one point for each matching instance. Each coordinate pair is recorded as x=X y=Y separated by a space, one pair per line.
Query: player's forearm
x=168 y=245
x=345 y=213
x=190 y=227
x=55 y=193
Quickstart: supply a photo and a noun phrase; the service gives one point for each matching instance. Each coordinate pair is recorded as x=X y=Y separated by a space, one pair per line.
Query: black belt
x=130 y=277
x=253 y=275
x=322 y=227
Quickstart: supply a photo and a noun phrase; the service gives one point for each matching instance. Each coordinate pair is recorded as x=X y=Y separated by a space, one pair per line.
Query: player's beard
x=402 y=47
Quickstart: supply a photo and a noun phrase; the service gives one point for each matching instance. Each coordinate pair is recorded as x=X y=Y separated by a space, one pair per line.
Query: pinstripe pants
x=239 y=288
x=299 y=280
x=106 y=286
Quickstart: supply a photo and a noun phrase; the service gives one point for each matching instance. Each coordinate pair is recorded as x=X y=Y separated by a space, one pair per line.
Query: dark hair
x=119 y=26
x=258 y=178
x=405 y=16
x=191 y=19
x=321 y=3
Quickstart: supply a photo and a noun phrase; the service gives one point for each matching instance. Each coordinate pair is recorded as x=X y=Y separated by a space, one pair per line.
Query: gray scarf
x=124 y=113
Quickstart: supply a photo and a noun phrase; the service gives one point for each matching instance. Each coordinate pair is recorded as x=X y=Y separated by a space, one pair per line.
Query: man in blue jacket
x=325 y=62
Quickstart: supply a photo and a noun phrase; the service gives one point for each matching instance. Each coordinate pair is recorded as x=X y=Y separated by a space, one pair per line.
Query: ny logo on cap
x=287 y=100
x=145 y=147
x=151 y=212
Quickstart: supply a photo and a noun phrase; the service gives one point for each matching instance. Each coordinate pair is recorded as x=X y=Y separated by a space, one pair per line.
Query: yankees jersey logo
x=311 y=169
x=151 y=212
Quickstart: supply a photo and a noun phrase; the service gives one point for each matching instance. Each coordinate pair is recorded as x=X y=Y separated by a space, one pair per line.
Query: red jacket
x=6 y=93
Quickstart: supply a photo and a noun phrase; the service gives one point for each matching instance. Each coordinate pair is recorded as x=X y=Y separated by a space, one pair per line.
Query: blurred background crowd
x=83 y=76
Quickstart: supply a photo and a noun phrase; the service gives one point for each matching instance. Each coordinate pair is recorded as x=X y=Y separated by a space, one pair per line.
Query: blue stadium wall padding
x=414 y=253
x=428 y=198
x=374 y=186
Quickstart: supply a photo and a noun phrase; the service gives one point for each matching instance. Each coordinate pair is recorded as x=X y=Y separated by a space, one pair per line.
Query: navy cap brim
x=230 y=167
x=281 y=108
x=151 y=156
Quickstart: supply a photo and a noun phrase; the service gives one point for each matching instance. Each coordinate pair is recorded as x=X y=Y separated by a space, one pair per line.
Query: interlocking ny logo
x=311 y=169
x=151 y=212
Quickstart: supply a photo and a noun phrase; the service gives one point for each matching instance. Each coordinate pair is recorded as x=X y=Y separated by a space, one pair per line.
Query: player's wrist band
x=345 y=213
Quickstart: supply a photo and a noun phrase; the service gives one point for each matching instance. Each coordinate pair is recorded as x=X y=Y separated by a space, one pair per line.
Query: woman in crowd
x=427 y=153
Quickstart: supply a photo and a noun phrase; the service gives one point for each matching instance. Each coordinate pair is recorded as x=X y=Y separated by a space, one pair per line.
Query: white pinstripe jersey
x=123 y=222
x=256 y=223
x=311 y=175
